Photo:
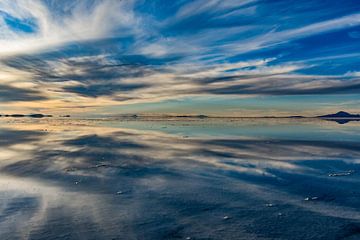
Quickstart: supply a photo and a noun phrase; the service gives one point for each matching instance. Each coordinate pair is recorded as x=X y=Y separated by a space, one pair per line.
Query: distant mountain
x=191 y=116
x=36 y=115
x=296 y=116
x=341 y=114
x=17 y=115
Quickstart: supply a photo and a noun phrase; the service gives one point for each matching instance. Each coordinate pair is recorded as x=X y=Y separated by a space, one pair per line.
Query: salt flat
x=179 y=179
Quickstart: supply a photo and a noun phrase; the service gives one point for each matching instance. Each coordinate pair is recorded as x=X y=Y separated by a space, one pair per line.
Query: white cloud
x=104 y=19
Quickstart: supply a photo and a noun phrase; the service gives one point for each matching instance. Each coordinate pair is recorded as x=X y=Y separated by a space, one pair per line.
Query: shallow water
x=169 y=179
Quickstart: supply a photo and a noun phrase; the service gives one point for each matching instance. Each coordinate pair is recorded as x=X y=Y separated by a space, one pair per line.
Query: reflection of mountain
x=342 y=120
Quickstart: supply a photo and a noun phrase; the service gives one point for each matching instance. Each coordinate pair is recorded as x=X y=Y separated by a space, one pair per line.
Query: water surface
x=171 y=179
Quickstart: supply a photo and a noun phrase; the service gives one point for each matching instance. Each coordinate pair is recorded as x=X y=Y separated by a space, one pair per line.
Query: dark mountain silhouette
x=35 y=115
x=295 y=116
x=38 y=115
x=341 y=114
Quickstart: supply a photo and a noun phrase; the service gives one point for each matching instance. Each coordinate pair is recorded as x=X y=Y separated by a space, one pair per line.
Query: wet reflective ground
x=198 y=179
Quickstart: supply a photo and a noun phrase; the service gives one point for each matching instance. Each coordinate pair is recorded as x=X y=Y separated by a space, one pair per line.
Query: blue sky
x=228 y=57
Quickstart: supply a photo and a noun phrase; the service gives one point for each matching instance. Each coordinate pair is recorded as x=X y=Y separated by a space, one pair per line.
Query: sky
x=214 y=57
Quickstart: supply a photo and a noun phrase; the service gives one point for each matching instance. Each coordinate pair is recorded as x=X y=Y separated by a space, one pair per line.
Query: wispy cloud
x=58 y=24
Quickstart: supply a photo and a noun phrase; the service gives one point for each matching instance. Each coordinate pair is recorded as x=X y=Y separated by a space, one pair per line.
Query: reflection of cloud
x=146 y=147
x=35 y=204
x=68 y=179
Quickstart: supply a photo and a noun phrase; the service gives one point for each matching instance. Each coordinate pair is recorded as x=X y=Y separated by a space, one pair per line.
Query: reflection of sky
x=305 y=129
x=234 y=57
x=97 y=179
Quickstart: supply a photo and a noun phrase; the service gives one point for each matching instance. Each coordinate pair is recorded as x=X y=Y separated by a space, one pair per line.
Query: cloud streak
x=13 y=94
